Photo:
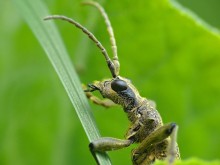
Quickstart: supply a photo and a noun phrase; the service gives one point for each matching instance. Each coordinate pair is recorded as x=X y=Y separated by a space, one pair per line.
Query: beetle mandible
x=156 y=140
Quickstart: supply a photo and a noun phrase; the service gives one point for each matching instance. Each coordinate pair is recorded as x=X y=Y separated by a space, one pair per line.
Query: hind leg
x=157 y=146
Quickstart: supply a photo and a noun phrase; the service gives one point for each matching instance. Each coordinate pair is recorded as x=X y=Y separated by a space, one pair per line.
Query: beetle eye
x=118 y=85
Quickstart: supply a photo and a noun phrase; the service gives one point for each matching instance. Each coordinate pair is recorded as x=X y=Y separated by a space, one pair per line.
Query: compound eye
x=118 y=85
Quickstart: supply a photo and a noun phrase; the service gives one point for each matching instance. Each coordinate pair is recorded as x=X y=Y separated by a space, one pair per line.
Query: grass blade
x=48 y=36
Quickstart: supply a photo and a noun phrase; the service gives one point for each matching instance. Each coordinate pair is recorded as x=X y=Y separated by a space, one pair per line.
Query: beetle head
x=120 y=90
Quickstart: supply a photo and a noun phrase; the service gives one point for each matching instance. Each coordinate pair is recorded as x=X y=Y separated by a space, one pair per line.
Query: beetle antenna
x=110 y=64
x=110 y=32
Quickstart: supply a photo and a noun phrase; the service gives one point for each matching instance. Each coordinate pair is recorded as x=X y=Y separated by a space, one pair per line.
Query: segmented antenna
x=91 y=36
x=110 y=32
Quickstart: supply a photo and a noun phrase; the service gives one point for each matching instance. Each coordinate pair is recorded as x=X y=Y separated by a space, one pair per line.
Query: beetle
x=156 y=140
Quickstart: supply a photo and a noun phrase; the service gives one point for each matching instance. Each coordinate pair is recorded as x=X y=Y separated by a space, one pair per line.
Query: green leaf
x=169 y=53
x=46 y=33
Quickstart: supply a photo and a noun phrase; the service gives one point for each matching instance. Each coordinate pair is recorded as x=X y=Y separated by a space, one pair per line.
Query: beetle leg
x=156 y=146
x=103 y=102
x=132 y=130
x=107 y=144
x=173 y=149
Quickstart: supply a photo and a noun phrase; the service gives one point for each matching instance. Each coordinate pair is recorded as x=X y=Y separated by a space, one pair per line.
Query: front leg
x=103 y=102
x=107 y=144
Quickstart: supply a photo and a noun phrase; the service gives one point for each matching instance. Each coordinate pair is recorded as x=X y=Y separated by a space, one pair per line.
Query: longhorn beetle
x=156 y=140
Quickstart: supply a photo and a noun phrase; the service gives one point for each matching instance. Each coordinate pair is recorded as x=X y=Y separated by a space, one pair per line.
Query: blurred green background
x=170 y=57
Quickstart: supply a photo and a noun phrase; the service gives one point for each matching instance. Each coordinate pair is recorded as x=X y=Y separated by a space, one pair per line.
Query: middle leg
x=107 y=144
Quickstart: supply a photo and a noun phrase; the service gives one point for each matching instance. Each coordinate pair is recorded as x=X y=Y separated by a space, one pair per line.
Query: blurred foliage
x=207 y=10
x=170 y=56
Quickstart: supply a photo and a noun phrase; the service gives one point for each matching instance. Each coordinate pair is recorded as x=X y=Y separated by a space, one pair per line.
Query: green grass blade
x=48 y=36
